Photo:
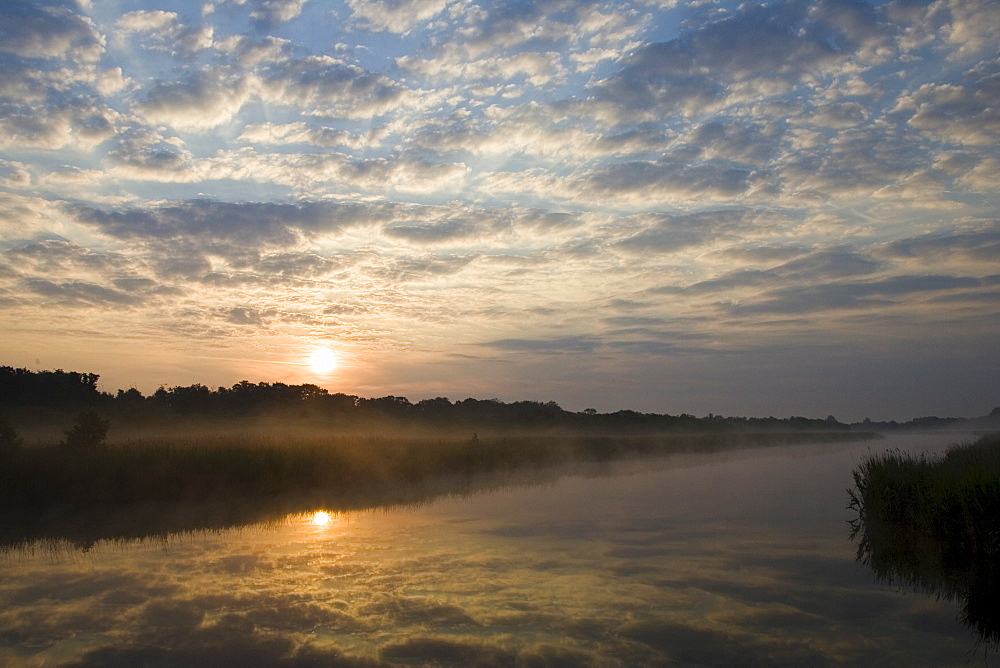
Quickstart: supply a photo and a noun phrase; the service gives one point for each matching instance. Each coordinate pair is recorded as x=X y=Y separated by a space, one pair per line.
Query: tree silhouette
x=89 y=430
x=10 y=439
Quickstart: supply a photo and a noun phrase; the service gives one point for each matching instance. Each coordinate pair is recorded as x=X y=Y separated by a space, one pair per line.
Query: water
x=731 y=558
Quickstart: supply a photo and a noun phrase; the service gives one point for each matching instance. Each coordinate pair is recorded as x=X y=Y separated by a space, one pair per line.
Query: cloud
x=250 y=52
x=145 y=152
x=229 y=229
x=855 y=163
x=244 y=223
x=573 y=165
x=325 y=86
x=270 y=13
x=744 y=143
x=758 y=255
x=956 y=246
x=876 y=294
x=665 y=179
x=673 y=233
x=837 y=263
x=633 y=321
x=201 y=101
x=964 y=112
x=765 y=48
x=803 y=269
x=246 y=316
x=80 y=123
x=147 y=156
x=300 y=132
x=565 y=344
x=297 y=265
x=972 y=24
x=25 y=81
x=166 y=32
x=431 y=233
x=542 y=24
x=982 y=177
x=14 y=174
x=538 y=69
x=62 y=258
x=534 y=130
x=834 y=115
x=502 y=42
x=398 y=16
x=959 y=28
x=30 y=31
x=921 y=188
x=78 y=293
x=26 y=217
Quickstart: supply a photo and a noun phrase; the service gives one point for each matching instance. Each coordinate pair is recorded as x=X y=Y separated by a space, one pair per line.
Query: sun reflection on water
x=321 y=518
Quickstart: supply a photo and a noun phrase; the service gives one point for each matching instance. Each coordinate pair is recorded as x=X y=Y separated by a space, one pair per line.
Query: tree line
x=71 y=391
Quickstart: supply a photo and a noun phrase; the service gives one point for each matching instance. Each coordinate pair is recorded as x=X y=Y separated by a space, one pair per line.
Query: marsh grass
x=934 y=523
x=203 y=468
x=140 y=487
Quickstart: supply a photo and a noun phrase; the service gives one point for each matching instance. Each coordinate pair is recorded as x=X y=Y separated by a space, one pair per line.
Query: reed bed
x=934 y=523
x=199 y=469
x=955 y=497
x=147 y=488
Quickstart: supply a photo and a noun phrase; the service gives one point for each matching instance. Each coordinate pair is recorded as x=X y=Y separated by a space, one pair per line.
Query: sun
x=322 y=360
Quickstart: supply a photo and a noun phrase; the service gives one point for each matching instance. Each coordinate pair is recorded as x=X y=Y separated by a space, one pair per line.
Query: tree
x=89 y=431
x=10 y=439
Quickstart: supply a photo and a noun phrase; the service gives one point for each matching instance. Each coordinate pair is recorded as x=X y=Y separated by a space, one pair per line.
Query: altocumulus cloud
x=423 y=180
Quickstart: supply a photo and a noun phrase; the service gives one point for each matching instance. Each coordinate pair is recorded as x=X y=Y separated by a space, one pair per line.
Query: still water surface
x=741 y=557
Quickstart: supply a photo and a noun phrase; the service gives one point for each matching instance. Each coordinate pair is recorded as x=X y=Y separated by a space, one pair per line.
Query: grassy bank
x=197 y=470
x=142 y=488
x=935 y=524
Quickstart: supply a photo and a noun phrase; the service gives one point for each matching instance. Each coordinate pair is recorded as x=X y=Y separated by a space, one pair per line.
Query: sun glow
x=322 y=360
x=321 y=518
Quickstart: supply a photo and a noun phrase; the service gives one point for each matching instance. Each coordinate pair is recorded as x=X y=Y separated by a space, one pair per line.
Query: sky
x=786 y=208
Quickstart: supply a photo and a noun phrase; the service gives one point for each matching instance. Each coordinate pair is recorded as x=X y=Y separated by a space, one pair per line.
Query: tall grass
x=935 y=524
x=55 y=490
x=199 y=469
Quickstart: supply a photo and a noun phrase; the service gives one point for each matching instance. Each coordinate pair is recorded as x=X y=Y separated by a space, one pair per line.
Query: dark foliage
x=10 y=438
x=60 y=389
x=935 y=525
x=71 y=391
x=989 y=422
x=89 y=431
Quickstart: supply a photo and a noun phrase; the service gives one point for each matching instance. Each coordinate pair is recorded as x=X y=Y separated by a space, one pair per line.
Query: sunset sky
x=787 y=208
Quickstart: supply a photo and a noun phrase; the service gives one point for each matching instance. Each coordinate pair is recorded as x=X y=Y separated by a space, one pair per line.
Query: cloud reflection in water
x=719 y=560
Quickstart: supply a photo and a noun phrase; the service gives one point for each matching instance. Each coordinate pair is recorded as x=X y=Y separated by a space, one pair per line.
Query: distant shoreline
x=42 y=403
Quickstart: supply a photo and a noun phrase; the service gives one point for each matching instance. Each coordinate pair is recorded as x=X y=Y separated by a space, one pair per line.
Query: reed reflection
x=934 y=525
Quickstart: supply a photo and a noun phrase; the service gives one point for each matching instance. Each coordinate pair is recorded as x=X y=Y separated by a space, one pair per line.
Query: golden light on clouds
x=588 y=217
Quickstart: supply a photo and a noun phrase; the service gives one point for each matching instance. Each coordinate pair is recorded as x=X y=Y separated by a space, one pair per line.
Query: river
x=740 y=557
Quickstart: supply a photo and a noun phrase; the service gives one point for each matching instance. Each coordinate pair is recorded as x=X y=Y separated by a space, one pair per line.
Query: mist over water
x=738 y=557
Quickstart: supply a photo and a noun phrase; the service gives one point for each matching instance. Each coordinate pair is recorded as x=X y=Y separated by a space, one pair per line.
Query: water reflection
x=919 y=525
x=735 y=559
x=321 y=518
x=897 y=556
x=82 y=528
